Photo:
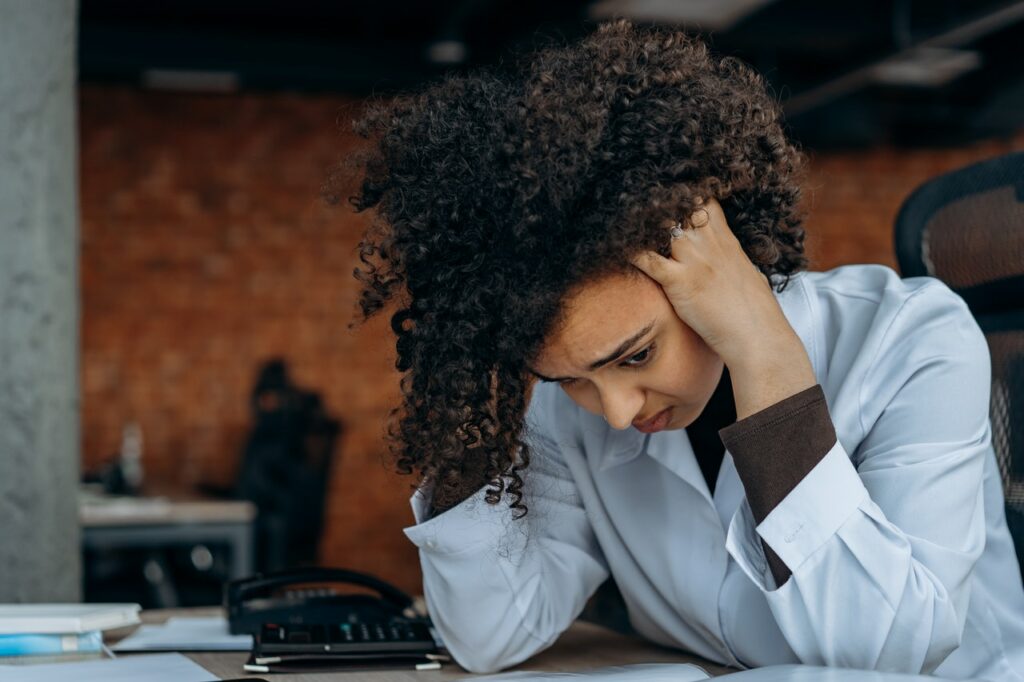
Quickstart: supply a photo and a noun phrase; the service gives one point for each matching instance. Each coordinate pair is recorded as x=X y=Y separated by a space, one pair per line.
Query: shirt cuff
x=815 y=510
x=748 y=550
x=468 y=524
x=808 y=518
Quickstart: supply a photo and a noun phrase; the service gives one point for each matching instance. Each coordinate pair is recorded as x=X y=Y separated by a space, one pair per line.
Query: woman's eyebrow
x=553 y=380
x=614 y=355
x=622 y=348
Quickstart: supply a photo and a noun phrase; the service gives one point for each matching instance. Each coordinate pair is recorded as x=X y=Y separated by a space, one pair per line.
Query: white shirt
x=897 y=540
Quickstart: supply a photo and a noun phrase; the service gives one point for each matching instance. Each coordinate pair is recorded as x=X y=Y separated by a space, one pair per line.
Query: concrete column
x=39 y=423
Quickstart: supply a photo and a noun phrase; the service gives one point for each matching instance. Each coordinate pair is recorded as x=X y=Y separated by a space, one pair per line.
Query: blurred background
x=214 y=284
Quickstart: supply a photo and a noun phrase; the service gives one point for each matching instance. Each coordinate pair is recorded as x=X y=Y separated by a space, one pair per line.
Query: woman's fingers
x=662 y=270
x=695 y=242
x=702 y=215
x=709 y=218
x=717 y=222
x=680 y=234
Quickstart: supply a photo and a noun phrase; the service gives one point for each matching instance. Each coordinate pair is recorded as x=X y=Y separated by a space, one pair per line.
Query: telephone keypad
x=365 y=637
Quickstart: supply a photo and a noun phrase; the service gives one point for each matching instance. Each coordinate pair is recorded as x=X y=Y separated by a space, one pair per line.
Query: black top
x=703 y=432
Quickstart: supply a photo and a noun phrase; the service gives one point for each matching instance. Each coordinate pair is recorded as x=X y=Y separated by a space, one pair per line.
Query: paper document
x=685 y=672
x=158 y=668
x=185 y=634
x=645 y=672
x=811 y=673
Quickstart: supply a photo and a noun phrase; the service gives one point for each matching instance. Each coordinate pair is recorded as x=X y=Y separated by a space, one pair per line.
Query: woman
x=596 y=262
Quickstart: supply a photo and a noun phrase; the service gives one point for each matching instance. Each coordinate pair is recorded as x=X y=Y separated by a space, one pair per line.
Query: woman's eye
x=636 y=360
x=639 y=358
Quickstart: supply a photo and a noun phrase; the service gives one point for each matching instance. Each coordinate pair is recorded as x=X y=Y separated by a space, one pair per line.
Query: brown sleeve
x=774 y=450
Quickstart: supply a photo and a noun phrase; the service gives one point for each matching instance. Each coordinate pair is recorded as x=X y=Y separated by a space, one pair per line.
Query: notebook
x=65 y=618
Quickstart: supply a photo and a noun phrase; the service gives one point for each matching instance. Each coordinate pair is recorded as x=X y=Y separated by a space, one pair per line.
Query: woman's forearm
x=783 y=426
x=769 y=370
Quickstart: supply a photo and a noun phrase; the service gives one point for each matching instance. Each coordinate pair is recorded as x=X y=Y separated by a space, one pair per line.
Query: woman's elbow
x=488 y=647
x=490 y=656
x=475 y=663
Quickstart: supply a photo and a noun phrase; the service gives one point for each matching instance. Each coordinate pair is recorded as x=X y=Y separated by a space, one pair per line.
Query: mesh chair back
x=966 y=228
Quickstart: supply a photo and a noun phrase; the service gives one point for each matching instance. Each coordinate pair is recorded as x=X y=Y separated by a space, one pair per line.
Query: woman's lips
x=655 y=423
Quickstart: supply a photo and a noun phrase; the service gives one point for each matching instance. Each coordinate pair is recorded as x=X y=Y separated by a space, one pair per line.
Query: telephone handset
x=317 y=625
x=277 y=598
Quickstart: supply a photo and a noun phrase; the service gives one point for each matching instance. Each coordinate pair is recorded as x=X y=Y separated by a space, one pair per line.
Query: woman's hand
x=716 y=290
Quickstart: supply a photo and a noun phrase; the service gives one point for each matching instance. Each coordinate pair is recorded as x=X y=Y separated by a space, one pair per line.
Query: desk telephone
x=302 y=618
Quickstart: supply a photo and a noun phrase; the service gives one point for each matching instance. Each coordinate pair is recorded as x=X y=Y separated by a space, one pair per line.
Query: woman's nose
x=621 y=405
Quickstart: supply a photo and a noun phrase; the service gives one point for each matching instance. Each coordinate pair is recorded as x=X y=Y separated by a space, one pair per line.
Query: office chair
x=286 y=467
x=966 y=228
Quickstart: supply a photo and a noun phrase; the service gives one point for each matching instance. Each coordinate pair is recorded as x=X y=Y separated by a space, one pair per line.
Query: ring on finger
x=676 y=231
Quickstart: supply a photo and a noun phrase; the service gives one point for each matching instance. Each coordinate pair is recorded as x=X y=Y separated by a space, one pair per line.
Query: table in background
x=582 y=646
x=156 y=523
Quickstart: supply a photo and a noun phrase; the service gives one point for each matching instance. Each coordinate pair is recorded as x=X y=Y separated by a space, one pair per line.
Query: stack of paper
x=33 y=629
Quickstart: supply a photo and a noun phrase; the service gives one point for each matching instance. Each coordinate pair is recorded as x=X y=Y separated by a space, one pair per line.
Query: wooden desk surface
x=583 y=646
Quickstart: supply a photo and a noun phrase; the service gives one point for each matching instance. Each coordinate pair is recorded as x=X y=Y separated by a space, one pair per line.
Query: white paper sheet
x=685 y=672
x=810 y=673
x=645 y=672
x=157 y=668
x=185 y=634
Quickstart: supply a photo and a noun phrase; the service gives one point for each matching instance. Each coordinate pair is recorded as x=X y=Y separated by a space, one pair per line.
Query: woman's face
x=622 y=353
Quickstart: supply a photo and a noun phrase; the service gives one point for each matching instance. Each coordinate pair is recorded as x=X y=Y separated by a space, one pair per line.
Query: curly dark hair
x=499 y=192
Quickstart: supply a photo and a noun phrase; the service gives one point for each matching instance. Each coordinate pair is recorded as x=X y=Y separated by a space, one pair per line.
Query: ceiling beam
x=862 y=76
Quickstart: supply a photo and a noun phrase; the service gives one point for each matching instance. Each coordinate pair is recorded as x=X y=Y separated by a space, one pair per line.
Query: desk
x=119 y=522
x=584 y=645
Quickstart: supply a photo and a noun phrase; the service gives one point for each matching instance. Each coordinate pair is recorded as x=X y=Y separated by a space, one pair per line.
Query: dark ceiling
x=850 y=73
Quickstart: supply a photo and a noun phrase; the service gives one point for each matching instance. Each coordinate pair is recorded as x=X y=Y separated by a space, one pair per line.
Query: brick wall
x=206 y=250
